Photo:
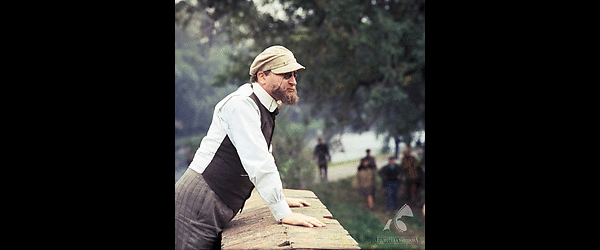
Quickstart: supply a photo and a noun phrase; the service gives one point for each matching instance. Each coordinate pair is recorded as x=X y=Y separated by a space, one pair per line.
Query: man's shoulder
x=239 y=98
x=242 y=93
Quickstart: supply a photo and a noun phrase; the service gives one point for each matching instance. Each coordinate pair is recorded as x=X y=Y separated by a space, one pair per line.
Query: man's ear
x=261 y=78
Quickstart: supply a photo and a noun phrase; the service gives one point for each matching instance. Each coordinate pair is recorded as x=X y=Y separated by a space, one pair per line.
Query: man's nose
x=293 y=81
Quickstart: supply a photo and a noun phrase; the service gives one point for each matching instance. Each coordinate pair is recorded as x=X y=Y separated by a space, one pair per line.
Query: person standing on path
x=322 y=156
x=390 y=175
x=365 y=178
x=370 y=159
x=235 y=157
x=410 y=165
x=372 y=164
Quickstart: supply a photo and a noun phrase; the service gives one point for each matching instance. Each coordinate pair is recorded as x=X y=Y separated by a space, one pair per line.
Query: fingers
x=318 y=223
x=303 y=202
x=313 y=222
x=297 y=202
x=306 y=224
x=302 y=220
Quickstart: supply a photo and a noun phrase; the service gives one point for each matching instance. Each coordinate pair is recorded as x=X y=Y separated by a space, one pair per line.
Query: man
x=321 y=153
x=390 y=175
x=373 y=165
x=370 y=159
x=366 y=180
x=235 y=156
x=412 y=172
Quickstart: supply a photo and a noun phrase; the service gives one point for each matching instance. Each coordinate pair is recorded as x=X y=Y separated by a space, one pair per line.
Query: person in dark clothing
x=391 y=179
x=371 y=163
x=370 y=159
x=412 y=170
x=366 y=181
x=321 y=153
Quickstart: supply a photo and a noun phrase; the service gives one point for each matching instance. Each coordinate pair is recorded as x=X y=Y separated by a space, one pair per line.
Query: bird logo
x=404 y=211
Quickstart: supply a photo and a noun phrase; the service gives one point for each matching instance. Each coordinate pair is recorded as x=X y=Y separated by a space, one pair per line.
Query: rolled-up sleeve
x=241 y=119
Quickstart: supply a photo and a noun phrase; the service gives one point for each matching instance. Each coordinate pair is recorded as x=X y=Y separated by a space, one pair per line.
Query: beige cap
x=277 y=58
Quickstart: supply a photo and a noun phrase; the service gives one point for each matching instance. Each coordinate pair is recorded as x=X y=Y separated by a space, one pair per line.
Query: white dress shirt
x=238 y=117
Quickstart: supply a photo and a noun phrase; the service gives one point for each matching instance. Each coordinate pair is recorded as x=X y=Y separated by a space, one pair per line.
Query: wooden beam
x=255 y=227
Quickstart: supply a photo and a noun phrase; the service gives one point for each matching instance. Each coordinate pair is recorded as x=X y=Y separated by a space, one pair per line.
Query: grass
x=364 y=225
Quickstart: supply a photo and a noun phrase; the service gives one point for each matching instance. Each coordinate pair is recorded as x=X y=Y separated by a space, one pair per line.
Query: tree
x=195 y=97
x=365 y=60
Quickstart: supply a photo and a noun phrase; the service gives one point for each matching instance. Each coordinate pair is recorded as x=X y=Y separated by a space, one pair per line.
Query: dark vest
x=225 y=174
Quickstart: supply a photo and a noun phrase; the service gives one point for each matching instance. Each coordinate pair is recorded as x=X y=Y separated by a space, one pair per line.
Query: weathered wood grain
x=255 y=227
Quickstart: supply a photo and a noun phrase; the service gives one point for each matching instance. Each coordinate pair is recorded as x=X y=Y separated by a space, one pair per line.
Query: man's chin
x=291 y=99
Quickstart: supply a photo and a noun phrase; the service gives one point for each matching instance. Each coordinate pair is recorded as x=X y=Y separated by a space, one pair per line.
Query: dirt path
x=346 y=169
x=343 y=170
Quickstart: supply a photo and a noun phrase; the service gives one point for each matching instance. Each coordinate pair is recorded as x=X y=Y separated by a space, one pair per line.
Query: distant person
x=365 y=178
x=412 y=172
x=391 y=178
x=321 y=153
x=371 y=164
x=370 y=159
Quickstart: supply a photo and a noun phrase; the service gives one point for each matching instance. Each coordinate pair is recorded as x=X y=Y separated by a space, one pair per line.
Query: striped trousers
x=200 y=216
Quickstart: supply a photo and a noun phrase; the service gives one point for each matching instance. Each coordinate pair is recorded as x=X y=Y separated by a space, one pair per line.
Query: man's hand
x=302 y=220
x=292 y=202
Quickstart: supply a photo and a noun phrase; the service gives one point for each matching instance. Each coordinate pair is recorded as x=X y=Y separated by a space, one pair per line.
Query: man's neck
x=265 y=98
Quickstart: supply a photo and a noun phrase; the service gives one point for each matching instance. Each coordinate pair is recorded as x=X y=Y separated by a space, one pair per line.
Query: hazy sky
x=275 y=8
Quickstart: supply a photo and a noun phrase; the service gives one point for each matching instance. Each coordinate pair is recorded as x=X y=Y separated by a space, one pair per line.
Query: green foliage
x=344 y=203
x=355 y=48
x=195 y=98
x=365 y=65
x=392 y=103
x=289 y=150
x=350 y=48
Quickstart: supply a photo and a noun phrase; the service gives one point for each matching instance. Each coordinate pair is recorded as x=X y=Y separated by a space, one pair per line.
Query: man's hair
x=254 y=78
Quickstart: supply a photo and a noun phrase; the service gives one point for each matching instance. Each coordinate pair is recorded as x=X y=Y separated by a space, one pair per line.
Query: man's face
x=281 y=89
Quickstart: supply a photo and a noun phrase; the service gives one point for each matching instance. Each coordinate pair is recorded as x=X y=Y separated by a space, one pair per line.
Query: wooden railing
x=255 y=227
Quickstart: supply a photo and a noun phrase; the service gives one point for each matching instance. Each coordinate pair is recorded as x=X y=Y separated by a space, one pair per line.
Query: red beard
x=287 y=97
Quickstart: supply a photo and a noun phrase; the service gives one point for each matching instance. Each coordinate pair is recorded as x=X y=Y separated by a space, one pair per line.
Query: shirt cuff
x=280 y=209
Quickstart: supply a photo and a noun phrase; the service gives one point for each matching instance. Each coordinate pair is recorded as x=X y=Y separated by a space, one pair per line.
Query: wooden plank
x=255 y=227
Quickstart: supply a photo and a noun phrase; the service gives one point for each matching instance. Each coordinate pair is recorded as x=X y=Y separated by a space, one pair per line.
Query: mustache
x=287 y=97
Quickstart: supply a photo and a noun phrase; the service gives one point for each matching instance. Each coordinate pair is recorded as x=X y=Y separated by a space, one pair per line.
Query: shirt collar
x=267 y=100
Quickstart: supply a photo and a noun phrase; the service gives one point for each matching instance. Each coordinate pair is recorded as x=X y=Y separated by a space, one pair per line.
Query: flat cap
x=277 y=58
